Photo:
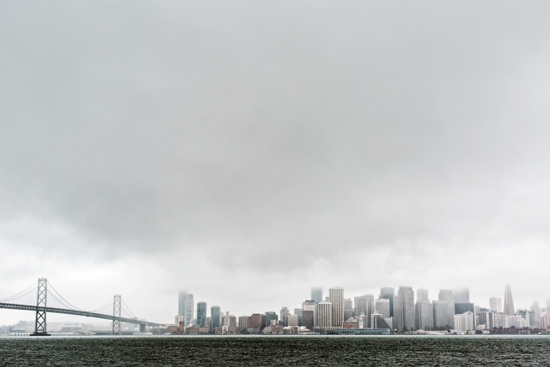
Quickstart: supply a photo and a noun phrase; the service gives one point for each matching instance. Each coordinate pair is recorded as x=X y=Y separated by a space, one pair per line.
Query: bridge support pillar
x=117 y=305
x=142 y=328
x=41 y=302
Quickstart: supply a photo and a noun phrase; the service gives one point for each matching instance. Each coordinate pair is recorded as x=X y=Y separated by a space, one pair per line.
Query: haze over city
x=248 y=151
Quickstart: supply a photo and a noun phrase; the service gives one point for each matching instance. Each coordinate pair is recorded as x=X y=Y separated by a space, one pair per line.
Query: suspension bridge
x=48 y=300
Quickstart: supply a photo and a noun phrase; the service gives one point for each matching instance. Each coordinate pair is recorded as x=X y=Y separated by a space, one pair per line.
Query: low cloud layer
x=234 y=148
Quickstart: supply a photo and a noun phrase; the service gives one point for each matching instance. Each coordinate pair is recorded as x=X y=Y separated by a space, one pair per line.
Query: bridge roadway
x=14 y=306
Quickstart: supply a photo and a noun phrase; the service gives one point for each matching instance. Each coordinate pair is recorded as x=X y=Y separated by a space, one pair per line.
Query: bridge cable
x=108 y=304
x=20 y=294
x=52 y=287
x=128 y=309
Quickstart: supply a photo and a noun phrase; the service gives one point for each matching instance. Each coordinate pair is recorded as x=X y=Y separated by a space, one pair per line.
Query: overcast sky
x=248 y=150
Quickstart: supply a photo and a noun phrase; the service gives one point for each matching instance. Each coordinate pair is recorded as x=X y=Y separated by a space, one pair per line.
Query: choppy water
x=277 y=351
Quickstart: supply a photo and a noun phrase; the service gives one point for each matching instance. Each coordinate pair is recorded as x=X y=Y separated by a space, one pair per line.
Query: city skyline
x=247 y=151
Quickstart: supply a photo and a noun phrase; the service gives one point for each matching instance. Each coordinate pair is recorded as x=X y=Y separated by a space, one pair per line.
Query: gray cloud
x=277 y=135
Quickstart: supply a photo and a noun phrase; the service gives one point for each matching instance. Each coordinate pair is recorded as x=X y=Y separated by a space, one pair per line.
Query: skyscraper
x=421 y=295
x=201 y=313
x=462 y=295
x=382 y=306
x=388 y=293
x=424 y=315
x=361 y=306
x=215 y=314
x=284 y=311
x=186 y=307
x=311 y=305
x=317 y=297
x=405 y=317
x=441 y=321
x=317 y=294
x=348 y=308
x=325 y=315
x=508 y=301
x=336 y=297
x=446 y=295
x=495 y=304
x=370 y=309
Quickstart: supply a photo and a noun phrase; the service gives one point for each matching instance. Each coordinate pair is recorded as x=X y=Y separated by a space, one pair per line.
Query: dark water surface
x=277 y=351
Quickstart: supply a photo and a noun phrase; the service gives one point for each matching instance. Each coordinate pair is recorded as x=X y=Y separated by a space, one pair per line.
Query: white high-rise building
x=495 y=304
x=186 y=307
x=464 y=322
x=325 y=315
x=293 y=320
x=336 y=298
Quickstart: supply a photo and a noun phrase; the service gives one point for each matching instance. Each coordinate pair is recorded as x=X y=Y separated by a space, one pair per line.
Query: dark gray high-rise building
x=268 y=317
x=388 y=293
x=307 y=319
x=216 y=317
x=508 y=301
x=201 y=313
x=447 y=296
x=348 y=308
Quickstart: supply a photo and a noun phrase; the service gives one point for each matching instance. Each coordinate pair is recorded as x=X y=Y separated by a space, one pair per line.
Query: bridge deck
x=14 y=306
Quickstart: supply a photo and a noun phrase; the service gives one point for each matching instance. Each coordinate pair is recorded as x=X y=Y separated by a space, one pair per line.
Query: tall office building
x=495 y=304
x=382 y=306
x=348 y=308
x=464 y=322
x=388 y=293
x=201 y=313
x=361 y=305
x=216 y=316
x=508 y=301
x=370 y=301
x=284 y=311
x=311 y=305
x=325 y=315
x=421 y=295
x=307 y=319
x=424 y=315
x=404 y=309
x=317 y=294
x=441 y=321
x=299 y=312
x=336 y=297
x=269 y=318
x=243 y=323
x=447 y=296
x=536 y=312
x=462 y=295
x=255 y=323
x=186 y=307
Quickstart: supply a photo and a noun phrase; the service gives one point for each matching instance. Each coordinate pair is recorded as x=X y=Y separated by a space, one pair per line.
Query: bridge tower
x=41 y=304
x=117 y=306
